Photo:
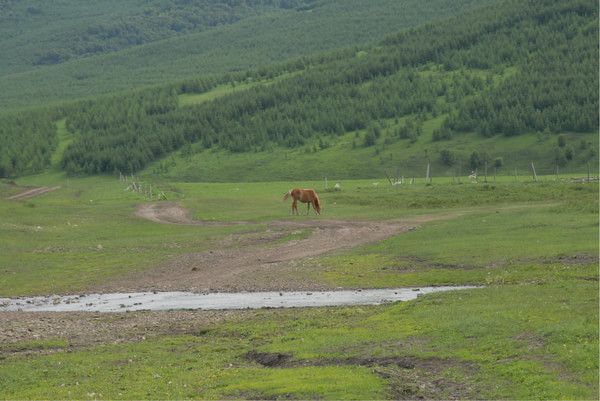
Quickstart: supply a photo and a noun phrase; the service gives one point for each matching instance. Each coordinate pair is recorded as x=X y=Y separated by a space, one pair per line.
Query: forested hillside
x=27 y=141
x=60 y=51
x=37 y=32
x=509 y=70
x=516 y=68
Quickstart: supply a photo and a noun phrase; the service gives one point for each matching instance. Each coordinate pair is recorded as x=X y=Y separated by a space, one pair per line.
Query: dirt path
x=33 y=193
x=258 y=264
x=171 y=213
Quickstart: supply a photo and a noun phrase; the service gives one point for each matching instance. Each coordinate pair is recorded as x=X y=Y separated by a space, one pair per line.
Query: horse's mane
x=287 y=194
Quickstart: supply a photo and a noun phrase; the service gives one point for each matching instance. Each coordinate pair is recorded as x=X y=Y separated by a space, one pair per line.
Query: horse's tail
x=316 y=204
x=287 y=195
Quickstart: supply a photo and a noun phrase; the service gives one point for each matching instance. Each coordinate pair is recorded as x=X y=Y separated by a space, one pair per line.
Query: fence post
x=588 y=166
x=485 y=172
x=427 y=177
x=534 y=174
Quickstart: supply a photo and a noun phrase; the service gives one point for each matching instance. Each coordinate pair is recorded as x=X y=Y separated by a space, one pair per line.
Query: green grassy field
x=82 y=234
x=531 y=333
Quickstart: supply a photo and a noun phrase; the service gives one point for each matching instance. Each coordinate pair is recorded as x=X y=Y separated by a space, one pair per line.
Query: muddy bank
x=124 y=302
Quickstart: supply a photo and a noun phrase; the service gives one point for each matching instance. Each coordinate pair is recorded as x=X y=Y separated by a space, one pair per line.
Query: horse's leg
x=294 y=207
x=308 y=208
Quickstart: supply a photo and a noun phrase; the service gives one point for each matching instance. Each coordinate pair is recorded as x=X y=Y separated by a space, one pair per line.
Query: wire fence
x=428 y=173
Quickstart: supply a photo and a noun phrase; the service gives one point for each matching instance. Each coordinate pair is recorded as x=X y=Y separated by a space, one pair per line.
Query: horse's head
x=317 y=205
x=287 y=195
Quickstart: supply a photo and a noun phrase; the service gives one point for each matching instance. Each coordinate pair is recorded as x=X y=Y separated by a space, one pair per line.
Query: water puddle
x=122 y=302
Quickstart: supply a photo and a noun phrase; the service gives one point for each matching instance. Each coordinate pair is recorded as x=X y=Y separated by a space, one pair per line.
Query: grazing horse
x=305 y=196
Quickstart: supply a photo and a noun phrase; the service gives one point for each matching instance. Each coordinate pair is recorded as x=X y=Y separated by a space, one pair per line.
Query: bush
x=448 y=158
x=562 y=141
x=370 y=138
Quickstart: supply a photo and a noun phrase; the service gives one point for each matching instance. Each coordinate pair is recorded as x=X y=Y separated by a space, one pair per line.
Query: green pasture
x=86 y=232
x=82 y=234
x=530 y=333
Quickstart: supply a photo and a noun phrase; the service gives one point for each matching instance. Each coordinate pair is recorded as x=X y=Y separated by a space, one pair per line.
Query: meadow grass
x=530 y=333
x=83 y=234
x=64 y=140
x=189 y=99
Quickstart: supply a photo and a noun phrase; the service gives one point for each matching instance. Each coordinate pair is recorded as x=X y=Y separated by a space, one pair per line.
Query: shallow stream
x=122 y=302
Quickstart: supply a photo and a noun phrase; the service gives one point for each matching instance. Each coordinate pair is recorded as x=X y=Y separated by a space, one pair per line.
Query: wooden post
x=494 y=175
x=534 y=174
x=325 y=182
x=556 y=178
x=588 y=166
x=427 y=177
x=516 y=178
x=485 y=173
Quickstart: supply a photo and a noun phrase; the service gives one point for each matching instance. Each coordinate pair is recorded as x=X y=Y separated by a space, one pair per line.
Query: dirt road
x=256 y=262
x=32 y=193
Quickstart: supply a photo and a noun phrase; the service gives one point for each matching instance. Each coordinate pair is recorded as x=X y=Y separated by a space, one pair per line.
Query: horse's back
x=303 y=194
x=310 y=194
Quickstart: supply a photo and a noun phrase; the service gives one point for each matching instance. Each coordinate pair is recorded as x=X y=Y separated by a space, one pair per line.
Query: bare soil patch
x=409 y=377
x=258 y=264
x=30 y=193
x=81 y=329
x=276 y=359
x=171 y=213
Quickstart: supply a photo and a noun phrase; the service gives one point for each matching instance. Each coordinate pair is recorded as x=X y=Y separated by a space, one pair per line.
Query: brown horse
x=305 y=196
